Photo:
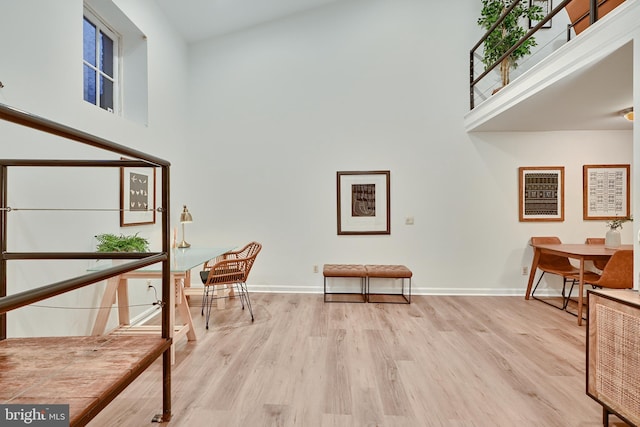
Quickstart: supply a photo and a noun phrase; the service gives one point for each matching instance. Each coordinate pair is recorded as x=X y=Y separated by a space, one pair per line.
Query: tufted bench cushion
x=388 y=271
x=344 y=270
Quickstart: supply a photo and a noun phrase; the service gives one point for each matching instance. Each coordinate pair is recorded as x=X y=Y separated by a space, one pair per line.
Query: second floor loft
x=582 y=84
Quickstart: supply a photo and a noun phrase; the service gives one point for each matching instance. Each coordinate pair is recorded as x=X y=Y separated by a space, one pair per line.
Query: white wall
x=257 y=123
x=369 y=85
x=635 y=189
x=41 y=44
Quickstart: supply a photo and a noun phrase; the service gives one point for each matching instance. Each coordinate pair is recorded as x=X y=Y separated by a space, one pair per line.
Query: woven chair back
x=232 y=267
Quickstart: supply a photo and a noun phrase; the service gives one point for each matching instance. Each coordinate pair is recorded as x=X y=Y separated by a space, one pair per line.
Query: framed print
x=364 y=203
x=605 y=192
x=546 y=6
x=137 y=196
x=541 y=193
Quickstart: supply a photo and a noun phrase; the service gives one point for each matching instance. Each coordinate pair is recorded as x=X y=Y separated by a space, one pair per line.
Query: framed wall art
x=605 y=192
x=546 y=6
x=137 y=196
x=364 y=205
x=541 y=193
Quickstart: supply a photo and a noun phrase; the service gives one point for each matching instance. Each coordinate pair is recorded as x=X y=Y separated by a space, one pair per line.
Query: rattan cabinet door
x=613 y=352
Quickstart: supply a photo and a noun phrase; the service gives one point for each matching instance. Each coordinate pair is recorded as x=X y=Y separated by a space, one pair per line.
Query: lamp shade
x=628 y=114
x=185 y=216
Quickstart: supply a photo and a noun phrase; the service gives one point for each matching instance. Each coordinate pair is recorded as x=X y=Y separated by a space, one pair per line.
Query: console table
x=116 y=292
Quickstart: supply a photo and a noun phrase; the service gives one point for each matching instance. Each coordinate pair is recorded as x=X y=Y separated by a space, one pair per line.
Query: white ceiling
x=201 y=19
x=589 y=100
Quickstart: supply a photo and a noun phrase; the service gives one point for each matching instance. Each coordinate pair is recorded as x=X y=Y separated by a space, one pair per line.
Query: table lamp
x=185 y=217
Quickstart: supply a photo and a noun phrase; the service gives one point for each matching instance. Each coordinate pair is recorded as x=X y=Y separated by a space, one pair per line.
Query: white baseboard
x=414 y=290
x=146 y=315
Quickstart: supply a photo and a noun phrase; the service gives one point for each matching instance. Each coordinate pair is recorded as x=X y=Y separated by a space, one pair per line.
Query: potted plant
x=507 y=34
x=612 y=238
x=108 y=242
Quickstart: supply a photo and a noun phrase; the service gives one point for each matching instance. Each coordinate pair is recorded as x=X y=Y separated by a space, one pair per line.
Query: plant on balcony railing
x=507 y=33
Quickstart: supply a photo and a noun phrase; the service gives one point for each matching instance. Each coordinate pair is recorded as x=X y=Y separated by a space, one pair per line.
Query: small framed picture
x=137 y=196
x=605 y=192
x=364 y=205
x=547 y=7
x=541 y=193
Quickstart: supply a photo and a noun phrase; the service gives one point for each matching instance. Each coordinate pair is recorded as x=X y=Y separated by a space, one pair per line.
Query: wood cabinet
x=578 y=11
x=613 y=353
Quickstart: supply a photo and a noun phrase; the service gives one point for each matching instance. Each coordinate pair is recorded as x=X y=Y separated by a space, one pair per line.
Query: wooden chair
x=617 y=274
x=554 y=264
x=597 y=263
x=232 y=269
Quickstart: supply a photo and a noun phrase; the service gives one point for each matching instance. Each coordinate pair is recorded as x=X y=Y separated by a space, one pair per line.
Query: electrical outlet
x=525 y=270
x=315 y=268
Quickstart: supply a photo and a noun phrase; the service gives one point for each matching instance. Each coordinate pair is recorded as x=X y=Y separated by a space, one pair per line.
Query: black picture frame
x=364 y=202
x=137 y=196
x=547 y=7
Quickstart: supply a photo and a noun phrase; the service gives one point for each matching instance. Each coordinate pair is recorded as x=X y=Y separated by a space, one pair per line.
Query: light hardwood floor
x=441 y=361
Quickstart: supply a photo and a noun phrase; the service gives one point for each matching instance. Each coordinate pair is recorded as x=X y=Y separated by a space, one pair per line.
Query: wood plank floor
x=441 y=361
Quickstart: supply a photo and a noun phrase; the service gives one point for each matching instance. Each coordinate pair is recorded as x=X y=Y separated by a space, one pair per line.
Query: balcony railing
x=474 y=81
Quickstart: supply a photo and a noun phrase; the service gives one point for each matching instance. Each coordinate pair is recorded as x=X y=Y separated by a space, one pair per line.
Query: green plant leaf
x=109 y=242
x=508 y=32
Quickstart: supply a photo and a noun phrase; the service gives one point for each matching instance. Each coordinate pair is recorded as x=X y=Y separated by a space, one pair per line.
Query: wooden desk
x=182 y=262
x=581 y=252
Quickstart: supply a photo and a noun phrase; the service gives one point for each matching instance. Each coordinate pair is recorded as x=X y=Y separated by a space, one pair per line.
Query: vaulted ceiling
x=589 y=100
x=201 y=19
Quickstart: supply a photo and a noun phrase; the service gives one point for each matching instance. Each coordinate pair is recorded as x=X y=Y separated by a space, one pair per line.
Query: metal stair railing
x=140 y=159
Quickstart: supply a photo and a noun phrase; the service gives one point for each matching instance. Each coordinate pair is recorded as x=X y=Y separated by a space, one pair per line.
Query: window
x=100 y=63
x=115 y=66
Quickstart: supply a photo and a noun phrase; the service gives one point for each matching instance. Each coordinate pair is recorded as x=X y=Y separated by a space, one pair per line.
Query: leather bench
x=365 y=273
x=384 y=271
x=345 y=271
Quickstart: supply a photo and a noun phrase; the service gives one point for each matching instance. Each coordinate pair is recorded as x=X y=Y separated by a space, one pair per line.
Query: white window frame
x=102 y=26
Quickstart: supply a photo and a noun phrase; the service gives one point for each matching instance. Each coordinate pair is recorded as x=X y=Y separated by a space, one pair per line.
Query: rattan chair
x=554 y=264
x=231 y=269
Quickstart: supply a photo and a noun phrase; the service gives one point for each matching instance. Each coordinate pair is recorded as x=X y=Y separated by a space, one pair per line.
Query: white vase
x=612 y=239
